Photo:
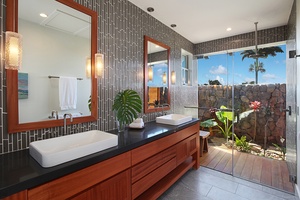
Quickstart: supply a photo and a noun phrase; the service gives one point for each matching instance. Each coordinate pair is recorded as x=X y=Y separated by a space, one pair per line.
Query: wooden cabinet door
x=116 y=188
x=186 y=148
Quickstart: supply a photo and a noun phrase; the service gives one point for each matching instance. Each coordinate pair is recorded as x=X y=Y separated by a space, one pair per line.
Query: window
x=186 y=67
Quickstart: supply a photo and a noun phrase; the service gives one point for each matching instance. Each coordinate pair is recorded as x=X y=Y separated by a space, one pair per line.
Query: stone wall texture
x=270 y=119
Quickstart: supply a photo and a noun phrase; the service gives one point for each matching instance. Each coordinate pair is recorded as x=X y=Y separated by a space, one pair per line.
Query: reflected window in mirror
x=156 y=75
x=52 y=52
x=186 y=67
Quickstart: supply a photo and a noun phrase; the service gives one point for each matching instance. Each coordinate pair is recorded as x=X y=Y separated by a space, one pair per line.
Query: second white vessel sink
x=173 y=119
x=55 y=151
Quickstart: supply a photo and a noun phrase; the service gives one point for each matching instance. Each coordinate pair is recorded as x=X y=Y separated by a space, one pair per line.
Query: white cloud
x=269 y=76
x=220 y=79
x=218 y=70
x=238 y=75
x=247 y=79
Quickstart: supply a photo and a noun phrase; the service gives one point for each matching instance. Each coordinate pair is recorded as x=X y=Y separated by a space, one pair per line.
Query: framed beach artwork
x=23 y=85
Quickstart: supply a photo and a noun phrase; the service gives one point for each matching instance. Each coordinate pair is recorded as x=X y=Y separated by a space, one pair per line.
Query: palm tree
x=257 y=68
x=261 y=53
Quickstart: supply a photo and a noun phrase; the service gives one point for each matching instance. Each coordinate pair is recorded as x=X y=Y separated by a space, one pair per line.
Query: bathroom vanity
x=145 y=163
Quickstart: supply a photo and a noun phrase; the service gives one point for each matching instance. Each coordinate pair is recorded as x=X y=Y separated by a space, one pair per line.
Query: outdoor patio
x=266 y=171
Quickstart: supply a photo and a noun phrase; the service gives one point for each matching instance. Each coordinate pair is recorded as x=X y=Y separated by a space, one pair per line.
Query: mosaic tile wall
x=121 y=28
x=243 y=40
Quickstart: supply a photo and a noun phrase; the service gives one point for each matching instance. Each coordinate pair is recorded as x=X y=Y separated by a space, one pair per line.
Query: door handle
x=289 y=110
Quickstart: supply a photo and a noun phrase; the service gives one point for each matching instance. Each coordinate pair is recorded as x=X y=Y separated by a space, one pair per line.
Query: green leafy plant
x=226 y=118
x=127 y=105
x=241 y=144
x=208 y=123
x=281 y=148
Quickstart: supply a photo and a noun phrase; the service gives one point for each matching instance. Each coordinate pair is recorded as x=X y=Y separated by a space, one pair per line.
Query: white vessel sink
x=54 y=151
x=173 y=119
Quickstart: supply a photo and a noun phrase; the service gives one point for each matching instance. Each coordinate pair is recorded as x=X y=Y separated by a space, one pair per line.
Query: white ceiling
x=60 y=17
x=205 y=20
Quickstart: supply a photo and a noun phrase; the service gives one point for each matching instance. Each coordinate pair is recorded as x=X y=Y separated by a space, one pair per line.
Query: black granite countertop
x=19 y=171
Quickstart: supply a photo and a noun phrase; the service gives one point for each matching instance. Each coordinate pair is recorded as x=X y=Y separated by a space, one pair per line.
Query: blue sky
x=219 y=67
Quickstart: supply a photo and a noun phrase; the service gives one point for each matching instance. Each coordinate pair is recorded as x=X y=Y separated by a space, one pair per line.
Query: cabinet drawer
x=141 y=153
x=149 y=180
x=142 y=169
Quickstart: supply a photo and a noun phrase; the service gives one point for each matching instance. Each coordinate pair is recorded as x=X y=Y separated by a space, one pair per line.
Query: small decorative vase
x=120 y=126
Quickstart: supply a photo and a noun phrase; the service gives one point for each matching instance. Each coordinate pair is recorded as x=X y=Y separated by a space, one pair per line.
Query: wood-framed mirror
x=156 y=75
x=65 y=66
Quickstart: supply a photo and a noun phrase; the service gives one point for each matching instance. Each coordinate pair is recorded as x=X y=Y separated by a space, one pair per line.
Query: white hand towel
x=136 y=125
x=67 y=93
x=138 y=120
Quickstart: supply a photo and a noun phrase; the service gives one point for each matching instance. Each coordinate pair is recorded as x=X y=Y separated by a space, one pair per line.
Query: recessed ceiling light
x=228 y=29
x=43 y=15
x=150 y=9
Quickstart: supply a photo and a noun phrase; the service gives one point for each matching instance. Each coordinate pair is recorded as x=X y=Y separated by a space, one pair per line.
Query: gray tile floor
x=207 y=184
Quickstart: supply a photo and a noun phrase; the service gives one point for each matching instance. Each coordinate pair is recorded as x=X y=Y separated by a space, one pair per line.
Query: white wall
x=298 y=94
x=50 y=52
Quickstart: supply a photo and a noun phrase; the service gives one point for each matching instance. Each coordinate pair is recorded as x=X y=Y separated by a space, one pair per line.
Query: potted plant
x=127 y=105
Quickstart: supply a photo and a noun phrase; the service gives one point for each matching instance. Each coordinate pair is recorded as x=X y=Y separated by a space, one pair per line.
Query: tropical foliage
x=127 y=105
x=261 y=53
x=241 y=144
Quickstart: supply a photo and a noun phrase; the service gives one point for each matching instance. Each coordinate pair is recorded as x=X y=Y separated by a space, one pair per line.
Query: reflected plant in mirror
x=156 y=75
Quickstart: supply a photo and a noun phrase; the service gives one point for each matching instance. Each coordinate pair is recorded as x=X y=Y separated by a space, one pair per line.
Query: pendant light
x=13 y=50
x=88 y=67
x=150 y=73
x=164 y=78
x=99 y=65
x=173 y=73
x=13 y=47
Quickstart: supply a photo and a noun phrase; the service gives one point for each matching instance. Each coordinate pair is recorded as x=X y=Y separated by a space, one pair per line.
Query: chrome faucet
x=162 y=108
x=65 y=121
x=54 y=114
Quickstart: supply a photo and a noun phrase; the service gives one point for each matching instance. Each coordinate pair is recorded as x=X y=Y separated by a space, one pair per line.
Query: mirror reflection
x=56 y=44
x=156 y=75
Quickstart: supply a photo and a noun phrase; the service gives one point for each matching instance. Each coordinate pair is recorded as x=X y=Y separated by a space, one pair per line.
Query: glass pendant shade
x=99 y=63
x=88 y=68
x=150 y=73
x=13 y=50
x=164 y=78
x=173 y=77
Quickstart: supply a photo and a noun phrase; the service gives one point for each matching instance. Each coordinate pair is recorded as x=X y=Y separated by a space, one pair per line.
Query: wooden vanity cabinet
x=159 y=164
x=142 y=173
x=88 y=181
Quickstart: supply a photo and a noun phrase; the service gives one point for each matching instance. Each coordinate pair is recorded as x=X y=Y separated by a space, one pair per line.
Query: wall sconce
x=164 y=78
x=99 y=63
x=150 y=73
x=88 y=67
x=13 y=50
x=173 y=77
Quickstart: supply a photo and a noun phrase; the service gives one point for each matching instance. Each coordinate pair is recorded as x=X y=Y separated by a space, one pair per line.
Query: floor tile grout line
x=260 y=184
